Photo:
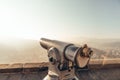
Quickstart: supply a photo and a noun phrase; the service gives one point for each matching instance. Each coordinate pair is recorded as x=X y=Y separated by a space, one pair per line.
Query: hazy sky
x=56 y=18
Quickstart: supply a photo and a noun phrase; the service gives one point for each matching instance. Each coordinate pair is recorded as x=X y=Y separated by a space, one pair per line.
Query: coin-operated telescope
x=65 y=59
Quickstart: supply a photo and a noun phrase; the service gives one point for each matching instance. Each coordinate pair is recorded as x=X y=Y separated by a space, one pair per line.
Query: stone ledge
x=36 y=67
x=104 y=63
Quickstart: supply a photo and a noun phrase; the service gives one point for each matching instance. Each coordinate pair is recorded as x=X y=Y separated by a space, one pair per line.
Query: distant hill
x=113 y=44
x=25 y=50
x=97 y=53
x=21 y=51
x=97 y=43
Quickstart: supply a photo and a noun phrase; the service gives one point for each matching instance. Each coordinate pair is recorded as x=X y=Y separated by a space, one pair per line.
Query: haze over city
x=24 y=22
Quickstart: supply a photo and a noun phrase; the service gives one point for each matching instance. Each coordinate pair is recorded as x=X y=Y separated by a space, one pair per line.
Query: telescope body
x=47 y=44
x=60 y=46
x=67 y=51
x=64 y=59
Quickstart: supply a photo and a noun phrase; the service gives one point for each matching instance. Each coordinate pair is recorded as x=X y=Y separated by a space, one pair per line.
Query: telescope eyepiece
x=85 y=51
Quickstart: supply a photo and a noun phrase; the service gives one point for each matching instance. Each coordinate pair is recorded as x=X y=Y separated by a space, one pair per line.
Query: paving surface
x=100 y=74
x=23 y=76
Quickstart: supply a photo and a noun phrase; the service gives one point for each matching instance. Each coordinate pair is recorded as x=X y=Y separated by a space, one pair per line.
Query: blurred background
x=24 y=22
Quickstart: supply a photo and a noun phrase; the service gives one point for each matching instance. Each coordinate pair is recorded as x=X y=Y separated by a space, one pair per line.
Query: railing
x=36 y=67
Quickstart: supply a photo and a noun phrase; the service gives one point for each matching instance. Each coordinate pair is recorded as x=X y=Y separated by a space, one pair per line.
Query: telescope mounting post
x=55 y=71
x=65 y=59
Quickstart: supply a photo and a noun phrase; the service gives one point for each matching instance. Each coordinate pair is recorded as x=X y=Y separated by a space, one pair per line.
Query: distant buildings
x=107 y=52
